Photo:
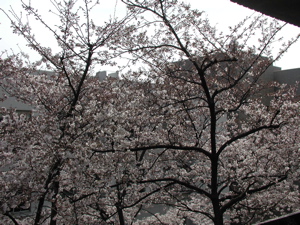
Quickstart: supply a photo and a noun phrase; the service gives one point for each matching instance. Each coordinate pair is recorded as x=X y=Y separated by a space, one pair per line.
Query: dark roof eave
x=286 y=10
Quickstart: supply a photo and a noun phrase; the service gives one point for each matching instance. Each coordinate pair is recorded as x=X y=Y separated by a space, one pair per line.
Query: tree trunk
x=53 y=205
x=120 y=214
x=54 y=171
x=218 y=219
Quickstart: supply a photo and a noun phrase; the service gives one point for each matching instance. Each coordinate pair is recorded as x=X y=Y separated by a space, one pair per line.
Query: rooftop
x=286 y=10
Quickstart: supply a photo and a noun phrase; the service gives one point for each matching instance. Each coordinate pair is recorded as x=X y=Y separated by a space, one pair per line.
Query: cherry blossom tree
x=215 y=130
x=47 y=164
x=196 y=133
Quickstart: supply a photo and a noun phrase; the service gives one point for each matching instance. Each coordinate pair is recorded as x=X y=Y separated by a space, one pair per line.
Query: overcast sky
x=221 y=13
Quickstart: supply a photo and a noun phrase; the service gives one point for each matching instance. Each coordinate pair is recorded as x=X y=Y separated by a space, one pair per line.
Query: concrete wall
x=289 y=77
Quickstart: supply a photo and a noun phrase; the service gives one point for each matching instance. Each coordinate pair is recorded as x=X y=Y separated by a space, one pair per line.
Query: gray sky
x=222 y=13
